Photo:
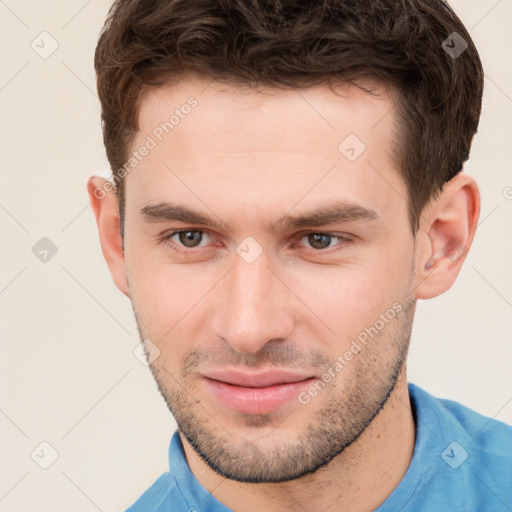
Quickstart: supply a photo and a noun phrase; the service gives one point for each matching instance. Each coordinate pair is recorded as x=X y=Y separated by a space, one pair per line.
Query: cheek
x=167 y=298
x=347 y=298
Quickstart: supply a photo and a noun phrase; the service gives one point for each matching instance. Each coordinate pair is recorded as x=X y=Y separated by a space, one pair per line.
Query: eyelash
x=344 y=239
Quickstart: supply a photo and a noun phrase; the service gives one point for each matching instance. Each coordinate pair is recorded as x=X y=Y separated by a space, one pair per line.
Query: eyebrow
x=336 y=213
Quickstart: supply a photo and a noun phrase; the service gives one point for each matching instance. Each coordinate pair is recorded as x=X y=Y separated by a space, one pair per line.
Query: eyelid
x=166 y=237
x=343 y=238
x=321 y=232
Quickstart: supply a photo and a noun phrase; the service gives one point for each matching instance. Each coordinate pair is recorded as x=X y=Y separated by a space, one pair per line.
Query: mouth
x=256 y=393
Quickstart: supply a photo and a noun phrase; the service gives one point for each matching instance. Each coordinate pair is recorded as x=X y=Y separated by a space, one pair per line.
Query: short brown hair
x=295 y=44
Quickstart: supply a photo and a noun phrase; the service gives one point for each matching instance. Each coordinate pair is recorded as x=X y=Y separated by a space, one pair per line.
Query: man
x=288 y=182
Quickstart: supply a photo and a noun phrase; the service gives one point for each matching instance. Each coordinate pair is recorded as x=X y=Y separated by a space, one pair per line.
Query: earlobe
x=104 y=204
x=447 y=229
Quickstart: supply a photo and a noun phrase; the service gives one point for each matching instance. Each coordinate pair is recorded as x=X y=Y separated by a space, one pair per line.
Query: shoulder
x=453 y=418
x=163 y=494
x=473 y=450
x=489 y=440
x=490 y=434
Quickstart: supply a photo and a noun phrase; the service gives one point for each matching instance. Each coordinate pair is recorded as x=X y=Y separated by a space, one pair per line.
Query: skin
x=248 y=158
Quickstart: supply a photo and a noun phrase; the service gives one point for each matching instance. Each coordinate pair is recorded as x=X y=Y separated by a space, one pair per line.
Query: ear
x=446 y=232
x=106 y=210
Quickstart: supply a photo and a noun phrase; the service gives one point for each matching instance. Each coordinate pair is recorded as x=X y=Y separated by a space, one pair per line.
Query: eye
x=322 y=241
x=189 y=238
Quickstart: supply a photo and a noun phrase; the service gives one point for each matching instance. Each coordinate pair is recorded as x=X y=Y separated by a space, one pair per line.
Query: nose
x=254 y=308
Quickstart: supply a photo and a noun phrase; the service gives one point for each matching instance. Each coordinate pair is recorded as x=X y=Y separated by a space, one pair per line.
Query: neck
x=359 y=479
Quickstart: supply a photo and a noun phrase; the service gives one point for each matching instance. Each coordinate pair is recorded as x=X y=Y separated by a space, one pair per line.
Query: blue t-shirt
x=462 y=462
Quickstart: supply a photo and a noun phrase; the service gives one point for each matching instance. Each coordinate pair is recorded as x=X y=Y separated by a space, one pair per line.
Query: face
x=269 y=258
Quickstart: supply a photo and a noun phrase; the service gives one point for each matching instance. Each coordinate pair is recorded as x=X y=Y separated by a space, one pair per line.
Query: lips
x=256 y=380
x=255 y=392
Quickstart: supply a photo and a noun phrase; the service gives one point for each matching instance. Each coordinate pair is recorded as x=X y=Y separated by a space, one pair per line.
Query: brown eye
x=185 y=239
x=190 y=238
x=319 y=240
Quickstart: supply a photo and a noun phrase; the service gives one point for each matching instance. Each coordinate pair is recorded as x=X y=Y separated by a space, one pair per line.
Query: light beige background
x=68 y=375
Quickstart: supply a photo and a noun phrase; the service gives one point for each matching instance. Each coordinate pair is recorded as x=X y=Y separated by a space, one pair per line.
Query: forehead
x=257 y=144
x=253 y=119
